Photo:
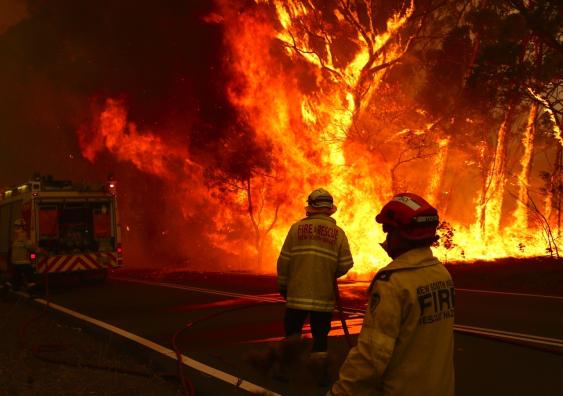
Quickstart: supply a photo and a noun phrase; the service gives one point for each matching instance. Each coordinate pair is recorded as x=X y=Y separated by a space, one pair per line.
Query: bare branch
x=345 y=9
x=303 y=51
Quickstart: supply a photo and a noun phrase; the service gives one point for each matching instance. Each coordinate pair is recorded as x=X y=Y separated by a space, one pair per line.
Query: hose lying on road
x=187 y=383
x=40 y=350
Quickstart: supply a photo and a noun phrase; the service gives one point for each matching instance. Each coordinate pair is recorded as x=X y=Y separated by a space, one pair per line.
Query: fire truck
x=74 y=228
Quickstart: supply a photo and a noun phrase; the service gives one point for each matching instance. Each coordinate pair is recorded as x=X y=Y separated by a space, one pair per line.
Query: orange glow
x=304 y=102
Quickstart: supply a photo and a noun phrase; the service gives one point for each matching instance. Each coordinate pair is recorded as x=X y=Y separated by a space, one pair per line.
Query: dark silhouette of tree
x=243 y=166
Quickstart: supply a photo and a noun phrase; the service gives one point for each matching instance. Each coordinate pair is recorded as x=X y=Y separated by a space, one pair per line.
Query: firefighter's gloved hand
x=283 y=293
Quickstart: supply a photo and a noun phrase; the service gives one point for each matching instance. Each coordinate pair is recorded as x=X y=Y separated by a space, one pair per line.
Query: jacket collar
x=320 y=216
x=415 y=258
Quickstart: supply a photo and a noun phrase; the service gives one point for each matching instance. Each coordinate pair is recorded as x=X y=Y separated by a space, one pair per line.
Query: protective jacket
x=314 y=254
x=405 y=346
x=21 y=247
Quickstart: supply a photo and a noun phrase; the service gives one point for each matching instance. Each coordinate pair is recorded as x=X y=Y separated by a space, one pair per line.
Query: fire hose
x=38 y=350
x=187 y=384
x=341 y=315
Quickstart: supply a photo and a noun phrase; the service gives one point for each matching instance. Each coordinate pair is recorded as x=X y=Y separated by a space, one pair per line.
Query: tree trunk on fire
x=559 y=190
x=438 y=176
x=521 y=212
x=554 y=192
x=492 y=194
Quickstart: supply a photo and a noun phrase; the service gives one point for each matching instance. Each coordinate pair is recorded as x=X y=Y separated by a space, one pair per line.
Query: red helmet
x=415 y=218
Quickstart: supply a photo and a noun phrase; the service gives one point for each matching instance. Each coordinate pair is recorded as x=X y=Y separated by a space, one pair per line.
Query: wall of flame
x=303 y=111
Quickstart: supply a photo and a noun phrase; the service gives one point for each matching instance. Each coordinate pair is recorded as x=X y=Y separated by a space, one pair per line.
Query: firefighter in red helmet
x=405 y=346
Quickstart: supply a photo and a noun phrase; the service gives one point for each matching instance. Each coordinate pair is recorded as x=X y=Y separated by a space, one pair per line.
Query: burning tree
x=349 y=42
x=250 y=191
x=367 y=98
x=553 y=179
x=242 y=177
x=325 y=61
x=515 y=58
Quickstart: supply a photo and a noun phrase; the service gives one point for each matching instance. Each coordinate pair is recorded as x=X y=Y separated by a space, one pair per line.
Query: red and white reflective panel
x=77 y=262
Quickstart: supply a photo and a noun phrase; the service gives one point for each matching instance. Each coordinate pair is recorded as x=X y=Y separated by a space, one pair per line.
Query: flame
x=319 y=122
x=521 y=212
x=302 y=98
x=441 y=162
x=122 y=138
x=329 y=113
x=556 y=130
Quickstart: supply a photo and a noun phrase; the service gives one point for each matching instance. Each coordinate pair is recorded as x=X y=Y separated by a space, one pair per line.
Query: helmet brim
x=324 y=209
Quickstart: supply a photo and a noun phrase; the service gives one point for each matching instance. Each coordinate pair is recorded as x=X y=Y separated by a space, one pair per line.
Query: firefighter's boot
x=262 y=360
x=289 y=353
x=318 y=367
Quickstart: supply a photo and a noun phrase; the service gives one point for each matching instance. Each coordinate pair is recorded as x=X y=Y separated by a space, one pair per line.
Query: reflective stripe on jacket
x=405 y=346
x=314 y=254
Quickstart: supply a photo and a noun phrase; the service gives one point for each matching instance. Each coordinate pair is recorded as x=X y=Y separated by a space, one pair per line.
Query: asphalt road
x=249 y=322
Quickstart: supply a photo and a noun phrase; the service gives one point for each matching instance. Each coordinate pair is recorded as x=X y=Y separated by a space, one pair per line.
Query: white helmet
x=320 y=198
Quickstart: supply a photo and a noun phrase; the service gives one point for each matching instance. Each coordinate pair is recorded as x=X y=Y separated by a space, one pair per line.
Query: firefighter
x=405 y=346
x=21 y=249
x=314 y=254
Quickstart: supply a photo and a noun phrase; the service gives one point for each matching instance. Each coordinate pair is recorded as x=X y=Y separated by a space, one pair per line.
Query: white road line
x=192 y=288
x=510 y=333
x=461 y=328
x=262 y=298
x=510 y=336
x=509 y=293
x=211 y=371
x=275 y=299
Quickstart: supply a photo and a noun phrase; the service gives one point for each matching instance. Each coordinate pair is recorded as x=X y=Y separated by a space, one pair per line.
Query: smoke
x=64 y=61
x=11 y=13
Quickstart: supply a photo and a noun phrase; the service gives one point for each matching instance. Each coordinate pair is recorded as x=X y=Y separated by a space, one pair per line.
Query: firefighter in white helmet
x=314 y=254
x=20 y=255
x=405 y=346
